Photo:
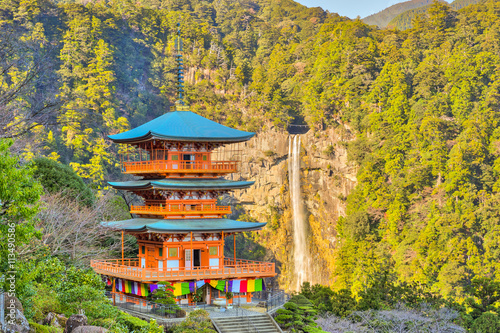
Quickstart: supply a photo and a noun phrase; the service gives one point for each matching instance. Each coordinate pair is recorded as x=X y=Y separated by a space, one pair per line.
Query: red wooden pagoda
x=180 y=228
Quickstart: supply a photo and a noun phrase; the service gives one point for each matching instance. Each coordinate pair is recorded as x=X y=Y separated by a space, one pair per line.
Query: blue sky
x=350 y=8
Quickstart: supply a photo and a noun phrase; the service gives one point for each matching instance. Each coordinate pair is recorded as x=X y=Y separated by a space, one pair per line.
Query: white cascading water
x=300 y=247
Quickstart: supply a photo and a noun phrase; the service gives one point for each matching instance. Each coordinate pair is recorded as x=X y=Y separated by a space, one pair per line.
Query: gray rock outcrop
x=15 y=320
x=74 y=322
x=89 y=329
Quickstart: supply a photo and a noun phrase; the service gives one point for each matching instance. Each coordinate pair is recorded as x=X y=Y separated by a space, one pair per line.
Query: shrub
x=329 y=150
x=342 y=303
x=107 y=323
x=56 y=177
x=488 y=323
x=44 y=301
x=152 y=327
x=132 y=323
x=101 y=309
x=298 y=315
x=197 y=321
x=357 y=225
x=269 y=153
x=44 y=329
x=88 y=298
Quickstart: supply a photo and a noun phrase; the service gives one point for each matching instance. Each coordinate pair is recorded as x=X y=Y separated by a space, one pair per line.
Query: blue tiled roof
x=182 y=126
x=191 y=184
x=182 y=225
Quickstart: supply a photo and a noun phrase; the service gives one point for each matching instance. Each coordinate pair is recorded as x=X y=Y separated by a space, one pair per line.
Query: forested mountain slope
x=423 y=104
x=404 y=20
x=382 y=18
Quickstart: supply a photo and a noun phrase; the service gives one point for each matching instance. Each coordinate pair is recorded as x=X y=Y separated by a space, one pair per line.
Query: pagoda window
x=160 y=252
x=205 y=157
x=173 y=252
x=175 y=157
x=213 y=250
x=188 y=157
x=143 y=249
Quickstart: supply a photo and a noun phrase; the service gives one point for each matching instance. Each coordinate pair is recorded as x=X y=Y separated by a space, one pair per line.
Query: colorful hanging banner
x=185 y=288
x=250 y=286
x=144 y=289
x=181 y=289
x=134 y=288
x=235 y=288
x=177 y=289
x=258 y=284
x=238 y=286
x=229 y=286
x=243 y=286
x=221 y=285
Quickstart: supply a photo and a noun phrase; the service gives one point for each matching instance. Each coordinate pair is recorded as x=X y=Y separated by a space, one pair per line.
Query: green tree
x=19 y=195
x=298 y=315
x=196 y=321
x=56 y=177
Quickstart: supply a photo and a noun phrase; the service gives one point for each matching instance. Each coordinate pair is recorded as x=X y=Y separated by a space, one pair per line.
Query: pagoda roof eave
x=186 y=184
x=182 y=126
x=174 y=226
x=154 y=136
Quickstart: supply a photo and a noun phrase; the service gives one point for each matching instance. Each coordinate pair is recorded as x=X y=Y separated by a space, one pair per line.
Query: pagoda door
x=150 y=258
x=189 y=160
x=196 y=259
x=187 y=258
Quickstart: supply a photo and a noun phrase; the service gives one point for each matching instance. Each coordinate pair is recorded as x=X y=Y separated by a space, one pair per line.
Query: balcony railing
x=129 y=269
x=167 y=166
x=181 y=210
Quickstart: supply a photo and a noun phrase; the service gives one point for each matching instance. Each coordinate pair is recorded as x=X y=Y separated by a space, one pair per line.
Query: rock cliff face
x=326 y=178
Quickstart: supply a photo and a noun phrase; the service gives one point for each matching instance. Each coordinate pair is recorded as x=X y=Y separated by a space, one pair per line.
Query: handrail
x=276 y=301
x=180 y=208
x=227 y=261
x=176 y=166
x=130 y=268
x=166 y=202
x=230 y=261
x=145 y=306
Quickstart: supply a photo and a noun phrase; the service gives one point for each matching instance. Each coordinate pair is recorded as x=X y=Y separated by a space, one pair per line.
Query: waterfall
x=300 y=247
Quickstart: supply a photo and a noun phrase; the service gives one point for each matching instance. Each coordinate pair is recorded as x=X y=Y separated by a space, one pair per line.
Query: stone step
x=256 y=317
x=244 y=320
x=255 y=323
x=250 y=324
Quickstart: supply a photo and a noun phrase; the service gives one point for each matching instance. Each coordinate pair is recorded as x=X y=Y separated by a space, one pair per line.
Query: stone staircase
x=246 y=324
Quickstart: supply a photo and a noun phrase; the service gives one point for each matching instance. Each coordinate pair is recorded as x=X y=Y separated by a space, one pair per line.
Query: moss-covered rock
x=38 y=328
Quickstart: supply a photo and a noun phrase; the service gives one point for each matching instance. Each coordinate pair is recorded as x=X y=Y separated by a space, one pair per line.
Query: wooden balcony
x=180 y=210
x=129 y=269
x=179 y=167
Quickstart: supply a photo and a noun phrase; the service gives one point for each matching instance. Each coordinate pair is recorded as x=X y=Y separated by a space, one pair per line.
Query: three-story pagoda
x=181 y=159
